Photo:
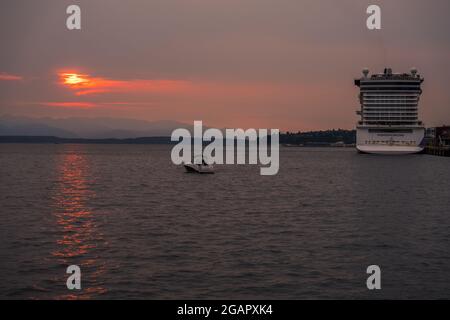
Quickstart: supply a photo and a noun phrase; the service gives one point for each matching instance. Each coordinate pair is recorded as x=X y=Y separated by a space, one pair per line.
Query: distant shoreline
x=57 y=140
x=328 y=138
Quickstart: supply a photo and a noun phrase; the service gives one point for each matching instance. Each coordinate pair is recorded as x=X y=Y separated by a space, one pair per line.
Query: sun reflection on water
x=80 y=236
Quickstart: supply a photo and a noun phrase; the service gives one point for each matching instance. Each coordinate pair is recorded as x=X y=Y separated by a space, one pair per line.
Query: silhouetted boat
x=203 y=167
x=199 y=168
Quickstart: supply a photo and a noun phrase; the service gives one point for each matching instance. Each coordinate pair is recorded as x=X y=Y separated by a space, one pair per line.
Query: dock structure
x=438 y=141
x=438 y=151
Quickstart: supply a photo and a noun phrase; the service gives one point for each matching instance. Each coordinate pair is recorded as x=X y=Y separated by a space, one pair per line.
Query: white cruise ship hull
x=395 y=150
x=394 y=141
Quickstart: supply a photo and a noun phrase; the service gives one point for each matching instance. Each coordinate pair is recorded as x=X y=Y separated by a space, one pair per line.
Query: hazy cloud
x=262 y=63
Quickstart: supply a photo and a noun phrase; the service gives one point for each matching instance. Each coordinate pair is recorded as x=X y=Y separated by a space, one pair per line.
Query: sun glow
x=83 y=83
x=75 y=79
x=86 y=84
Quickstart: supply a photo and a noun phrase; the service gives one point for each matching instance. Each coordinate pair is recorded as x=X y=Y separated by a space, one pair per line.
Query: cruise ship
x=389 y=121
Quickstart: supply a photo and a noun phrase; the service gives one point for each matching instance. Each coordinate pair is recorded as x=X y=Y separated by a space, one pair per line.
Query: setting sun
x=82 y=83
x=74 y=79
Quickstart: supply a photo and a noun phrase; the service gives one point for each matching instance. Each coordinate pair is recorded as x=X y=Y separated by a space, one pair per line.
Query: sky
x=286 y=64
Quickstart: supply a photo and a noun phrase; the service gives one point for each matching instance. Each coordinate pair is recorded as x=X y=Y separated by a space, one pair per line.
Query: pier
x=438 y=151
x=438 y=141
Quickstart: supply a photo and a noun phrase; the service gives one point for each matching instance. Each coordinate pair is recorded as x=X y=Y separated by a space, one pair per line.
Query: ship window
x=390 y=131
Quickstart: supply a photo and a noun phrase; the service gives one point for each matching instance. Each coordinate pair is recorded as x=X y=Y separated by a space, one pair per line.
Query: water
x=141 y=228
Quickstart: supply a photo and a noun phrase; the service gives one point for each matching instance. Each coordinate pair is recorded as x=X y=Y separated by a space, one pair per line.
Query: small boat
x=202 y=168
x=199 y=168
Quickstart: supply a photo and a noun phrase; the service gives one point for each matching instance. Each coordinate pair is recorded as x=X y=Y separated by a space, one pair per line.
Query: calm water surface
x=141 y=228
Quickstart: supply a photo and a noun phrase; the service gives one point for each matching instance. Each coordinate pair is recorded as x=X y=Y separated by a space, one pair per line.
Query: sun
x=75 y=79
x=82 y=83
